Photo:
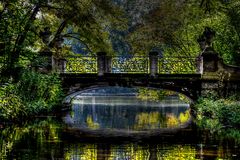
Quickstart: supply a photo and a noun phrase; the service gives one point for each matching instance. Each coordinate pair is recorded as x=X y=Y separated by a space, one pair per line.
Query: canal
x=115 y=123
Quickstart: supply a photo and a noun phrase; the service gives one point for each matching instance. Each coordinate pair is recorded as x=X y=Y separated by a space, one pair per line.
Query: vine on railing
x=82 y=64
x=129 y=65
x=171 y=65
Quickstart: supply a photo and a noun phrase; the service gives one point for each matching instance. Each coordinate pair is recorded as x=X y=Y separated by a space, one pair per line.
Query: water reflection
x=126 y=113
x=131 y=152
x=47 y=139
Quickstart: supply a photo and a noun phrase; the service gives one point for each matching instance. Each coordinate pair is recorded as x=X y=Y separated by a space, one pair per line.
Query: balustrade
x=137 y=64
x=151 y=64
x=177 y=65
x=83 y=64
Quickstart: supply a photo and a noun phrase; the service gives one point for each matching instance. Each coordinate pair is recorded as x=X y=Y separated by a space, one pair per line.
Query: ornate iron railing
x=173 y=65
x=137 y=64
x=129 y=65
x=83 y=64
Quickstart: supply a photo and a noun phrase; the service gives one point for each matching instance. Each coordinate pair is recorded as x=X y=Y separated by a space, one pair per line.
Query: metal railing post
x=153 y=63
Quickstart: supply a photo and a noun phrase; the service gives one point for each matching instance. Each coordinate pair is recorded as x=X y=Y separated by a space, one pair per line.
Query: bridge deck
x=129 y=75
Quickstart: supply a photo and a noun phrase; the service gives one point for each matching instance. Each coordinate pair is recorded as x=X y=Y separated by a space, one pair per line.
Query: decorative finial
x=206 y=39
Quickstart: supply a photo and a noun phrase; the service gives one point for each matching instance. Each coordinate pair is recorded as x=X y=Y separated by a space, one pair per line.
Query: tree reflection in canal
x=132 y=152
x=52 y=138
x=47 y=139
x=127 y=113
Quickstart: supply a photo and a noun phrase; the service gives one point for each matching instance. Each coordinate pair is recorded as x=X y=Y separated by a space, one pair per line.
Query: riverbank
x=220 y=117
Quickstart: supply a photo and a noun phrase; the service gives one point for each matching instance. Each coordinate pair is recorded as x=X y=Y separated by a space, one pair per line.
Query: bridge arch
x=68 y=99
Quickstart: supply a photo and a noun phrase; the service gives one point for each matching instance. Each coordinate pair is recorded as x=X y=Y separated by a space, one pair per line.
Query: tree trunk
x=15 y=54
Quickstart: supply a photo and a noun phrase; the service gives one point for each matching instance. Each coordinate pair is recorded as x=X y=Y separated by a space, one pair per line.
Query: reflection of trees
x=152 y=120
x=160 y=95
x=41 y=141
x=174 y=121
x=155 y=120
x=131 y=117
x=130 y=152
x=184 y=117
x=179 y=153
x=37 y=133
x=153 y=94
x=91 y=124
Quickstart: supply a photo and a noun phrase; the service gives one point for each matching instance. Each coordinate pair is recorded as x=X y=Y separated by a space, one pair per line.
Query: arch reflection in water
x=131 y=152
x=94 y=110
x=47 y=139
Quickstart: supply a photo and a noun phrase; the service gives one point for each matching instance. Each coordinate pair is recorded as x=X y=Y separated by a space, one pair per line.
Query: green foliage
x=219 y=116
x=42 y=89
x=158 y=27
x=33 y=94
x=11 y=105
x=23 y=22
x=174 y=27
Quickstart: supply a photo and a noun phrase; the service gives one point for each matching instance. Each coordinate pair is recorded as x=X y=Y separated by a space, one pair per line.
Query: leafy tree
x=176 y=33
x=24 y=22
x=28 y=27
x=160 y=26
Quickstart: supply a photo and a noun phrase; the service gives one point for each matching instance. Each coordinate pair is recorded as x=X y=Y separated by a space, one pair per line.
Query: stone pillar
x=101 y=63
x=46 y=62
x=210 y=60
x=59 y=64
x=199 y=62
x=108 y=64
x=153 y=63
x=62 y=65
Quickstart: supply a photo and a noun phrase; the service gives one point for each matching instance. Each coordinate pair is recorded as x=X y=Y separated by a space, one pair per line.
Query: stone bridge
x=191 y=76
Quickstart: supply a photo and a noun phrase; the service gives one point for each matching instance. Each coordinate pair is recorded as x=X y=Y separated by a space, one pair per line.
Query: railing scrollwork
x=151 y=64
x=84 y=64
x=129 y=65
x=181 y=65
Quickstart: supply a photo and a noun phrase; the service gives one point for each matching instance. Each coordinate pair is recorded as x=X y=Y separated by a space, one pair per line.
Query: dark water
x=47 y=139
x=65 y=137
x=126 y=113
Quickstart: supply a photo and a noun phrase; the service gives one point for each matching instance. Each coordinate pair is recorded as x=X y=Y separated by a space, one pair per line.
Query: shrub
x=11 y=105
x=218 y=116
x=34 y=93
x=39 y=91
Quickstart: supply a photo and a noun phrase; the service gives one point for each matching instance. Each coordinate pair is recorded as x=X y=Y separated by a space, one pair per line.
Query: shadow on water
x=114 y=132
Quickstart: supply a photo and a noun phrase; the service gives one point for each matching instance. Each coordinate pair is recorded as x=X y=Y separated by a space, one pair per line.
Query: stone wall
x=218 y=78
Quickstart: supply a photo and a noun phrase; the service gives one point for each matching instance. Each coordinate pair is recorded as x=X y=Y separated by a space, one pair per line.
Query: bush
x=218 y=116
x=34 y=93
x=11 y=105
x=34 y=86
x=43 y=90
